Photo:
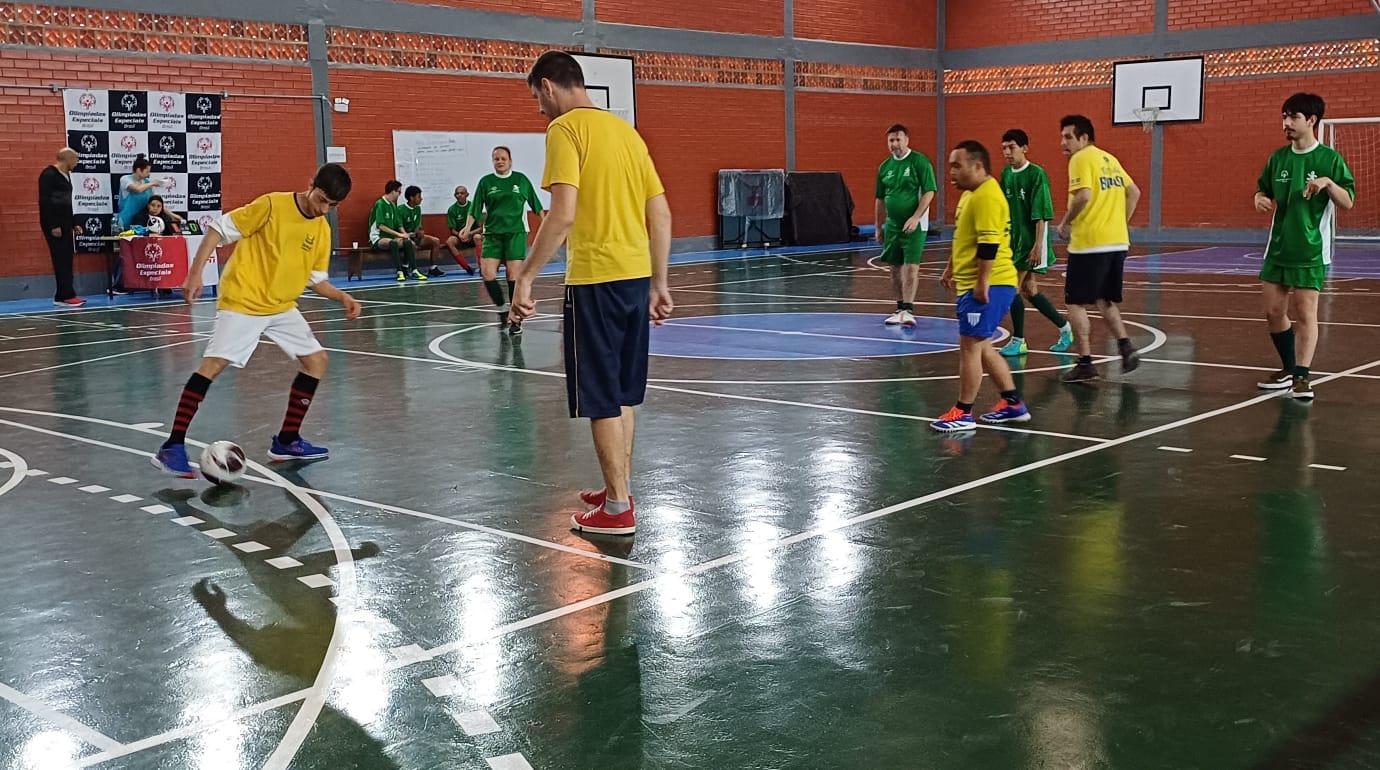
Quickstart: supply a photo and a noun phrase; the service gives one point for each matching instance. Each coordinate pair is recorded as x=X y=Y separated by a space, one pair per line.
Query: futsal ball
x=156 y=225
x=222 y=462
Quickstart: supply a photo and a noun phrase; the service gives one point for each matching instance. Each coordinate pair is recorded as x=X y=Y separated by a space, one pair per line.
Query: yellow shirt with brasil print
x=1101 y=225
x=983 y=217
x=278 y=249
x=603 y=156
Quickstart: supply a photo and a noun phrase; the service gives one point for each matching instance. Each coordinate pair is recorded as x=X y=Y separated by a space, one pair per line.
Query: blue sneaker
x=953 y=421
x=1016 y=347
x=1065 y=340
x=297 y=450
x=173 y=459
x=1004 y=412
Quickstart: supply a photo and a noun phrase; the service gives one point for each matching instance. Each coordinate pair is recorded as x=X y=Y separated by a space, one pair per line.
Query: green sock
x=395 y=251
x=1018 y=318
x=1284 y=343
x=495 y=290
x=1047 y=309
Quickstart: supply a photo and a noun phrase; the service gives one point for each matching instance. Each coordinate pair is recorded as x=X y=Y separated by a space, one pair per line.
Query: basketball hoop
x=1149 y=116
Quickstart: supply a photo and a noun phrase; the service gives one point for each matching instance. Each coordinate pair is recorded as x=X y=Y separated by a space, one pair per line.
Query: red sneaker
x=593 y=497
x=71 y=302
x=600 y=521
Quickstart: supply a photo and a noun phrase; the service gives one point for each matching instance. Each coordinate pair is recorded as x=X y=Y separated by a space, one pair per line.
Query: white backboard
x=609 y=80
x=1175 y=86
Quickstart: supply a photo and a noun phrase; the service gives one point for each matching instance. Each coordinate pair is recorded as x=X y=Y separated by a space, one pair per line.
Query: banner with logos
x=179 y=133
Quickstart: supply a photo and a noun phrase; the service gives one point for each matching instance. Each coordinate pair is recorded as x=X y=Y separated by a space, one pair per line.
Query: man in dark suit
x=55 y=216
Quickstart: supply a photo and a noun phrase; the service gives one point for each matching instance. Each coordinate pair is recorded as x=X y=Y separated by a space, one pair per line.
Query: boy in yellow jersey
x=981 y=271
x=1102 y=199
x=284 y=247
x=607 y=198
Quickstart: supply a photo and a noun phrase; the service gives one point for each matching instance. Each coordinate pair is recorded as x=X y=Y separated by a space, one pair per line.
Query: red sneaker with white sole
x=595 y=497
x=602 y=522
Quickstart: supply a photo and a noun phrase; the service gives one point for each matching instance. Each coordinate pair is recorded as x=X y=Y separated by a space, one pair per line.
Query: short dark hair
x=976 y=150
x=333 y=180
x=392 y=185
x=505 y=149
x=412 y=190
x=897 y=128
x=1018 y=136
x=558 y=67
x=1081 y=126
x=1307 y=105
x=141 y=161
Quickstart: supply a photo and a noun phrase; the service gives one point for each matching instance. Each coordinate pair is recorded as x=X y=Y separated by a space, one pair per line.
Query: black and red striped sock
x=299 y=401
x=192 y=394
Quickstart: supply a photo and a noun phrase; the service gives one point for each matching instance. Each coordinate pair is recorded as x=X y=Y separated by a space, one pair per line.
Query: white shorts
x=236 y=335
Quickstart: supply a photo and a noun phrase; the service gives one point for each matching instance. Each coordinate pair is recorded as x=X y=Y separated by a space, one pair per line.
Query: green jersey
x=1027 y=193
x=410 y=218
x=1302 y=231
x=900 y=183
x=386 y=214
x=456 y=215
x=502 y=202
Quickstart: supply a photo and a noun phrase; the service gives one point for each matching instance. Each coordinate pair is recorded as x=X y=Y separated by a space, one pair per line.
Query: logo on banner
x=87 y=100
x=206 y=222
x=88 y=142
x=91 y=185
x=170 y=185
x=129 y=143
x=204 y=183
x=203 y=105
x=153 y=251
x=167 y=143
x=93 y=225
x=167 y=103
x=205 y=144
x=129 y=102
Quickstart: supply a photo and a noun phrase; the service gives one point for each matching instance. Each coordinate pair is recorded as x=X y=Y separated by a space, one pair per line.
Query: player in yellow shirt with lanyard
x=284 y=246
x=980 y=269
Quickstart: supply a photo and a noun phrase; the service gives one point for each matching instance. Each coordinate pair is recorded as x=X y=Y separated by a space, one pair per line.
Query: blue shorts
x=976 y=319
x=606 y=337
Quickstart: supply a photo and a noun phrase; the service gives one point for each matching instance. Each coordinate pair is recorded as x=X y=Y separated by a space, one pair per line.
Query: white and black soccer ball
x=156 y=225
x=222 y=462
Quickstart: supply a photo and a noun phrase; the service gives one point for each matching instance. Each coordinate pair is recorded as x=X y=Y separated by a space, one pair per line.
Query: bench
x=355 y=257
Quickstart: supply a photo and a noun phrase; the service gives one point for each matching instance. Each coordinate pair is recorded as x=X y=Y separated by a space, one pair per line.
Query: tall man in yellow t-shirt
x=983 y=274
x=607 y=199
x=1102 y=199
x=284 y=246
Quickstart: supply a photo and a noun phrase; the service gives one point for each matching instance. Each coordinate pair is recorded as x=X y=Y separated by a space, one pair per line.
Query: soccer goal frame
x=1365 y=224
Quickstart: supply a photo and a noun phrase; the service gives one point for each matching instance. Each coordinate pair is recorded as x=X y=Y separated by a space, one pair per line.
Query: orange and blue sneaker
x=173 y=459
x=954 y=420
x=1006 y=411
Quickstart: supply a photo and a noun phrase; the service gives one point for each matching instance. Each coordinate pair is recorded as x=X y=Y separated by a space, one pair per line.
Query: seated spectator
x=158 y=219
x=387 y=234
x=411 y=214
x=455 y=221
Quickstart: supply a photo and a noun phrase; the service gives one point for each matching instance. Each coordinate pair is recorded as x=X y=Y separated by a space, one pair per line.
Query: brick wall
x=847 y=133
x=761 y=18
x=1198 y=14
x=906 y=23
x=984 y=23
x=570 y=9
x=259 y=152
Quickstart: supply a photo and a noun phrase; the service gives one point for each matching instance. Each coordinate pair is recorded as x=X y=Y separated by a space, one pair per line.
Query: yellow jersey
x=983 y=216
x=603 y=156
x=1101 y=226
x=277 y=250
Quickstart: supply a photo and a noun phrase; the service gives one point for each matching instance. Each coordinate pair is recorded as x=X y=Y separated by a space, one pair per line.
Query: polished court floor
x=1166 y=569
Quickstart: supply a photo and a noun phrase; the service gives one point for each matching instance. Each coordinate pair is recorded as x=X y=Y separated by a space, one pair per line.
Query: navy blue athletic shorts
x=606 y=334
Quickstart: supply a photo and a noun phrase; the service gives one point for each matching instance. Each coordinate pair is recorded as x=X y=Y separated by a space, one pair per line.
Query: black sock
x=192 y=394
x=299 y=400
x=908 y=306
x=1301 y=371
x=1124 y=344
x=511 y=286
x=965 y=408
x=1284 y=345
x=495 y=290
x=1085 y=360
x=900 y=305
x=1012 y=397
x=1018 y=318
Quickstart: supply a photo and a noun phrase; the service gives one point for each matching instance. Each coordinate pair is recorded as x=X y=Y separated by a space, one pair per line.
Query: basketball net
x=1149 y=116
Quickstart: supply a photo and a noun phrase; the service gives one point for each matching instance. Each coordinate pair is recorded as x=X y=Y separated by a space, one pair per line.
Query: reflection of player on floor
x=981 y=271
x=905 y=188
x=1102 y=199
x=1032 y=241
x=284 y=244
x=1300 y=248
x=606 y=196
x=500 y=204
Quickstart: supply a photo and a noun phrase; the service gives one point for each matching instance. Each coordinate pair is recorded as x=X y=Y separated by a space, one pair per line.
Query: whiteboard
x=438 y=161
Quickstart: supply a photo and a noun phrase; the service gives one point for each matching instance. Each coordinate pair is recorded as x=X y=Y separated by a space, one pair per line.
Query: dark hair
x=141 y=162
x=412 y=190
x=1307 y=105
x=1018 y=136
x=558 y=67
x=392 y=185
x=975 y=149
x=158 y=198
x=897 y=129
x=505 y=149
x=1081 y=126
x=333 y=180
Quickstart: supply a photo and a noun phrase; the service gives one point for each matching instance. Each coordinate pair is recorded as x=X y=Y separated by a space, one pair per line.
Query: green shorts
x=899 y=248
x=1311 y=277
x=508 y=247
x=1023 y=263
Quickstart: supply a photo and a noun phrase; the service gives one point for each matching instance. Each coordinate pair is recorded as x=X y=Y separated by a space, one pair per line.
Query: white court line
x=94 y=342
x=1175 y=449
x=94 y=360
x=19 y=470
x=674 y=322
x=1252 y=458
x=57 y=718
x=1322 y=467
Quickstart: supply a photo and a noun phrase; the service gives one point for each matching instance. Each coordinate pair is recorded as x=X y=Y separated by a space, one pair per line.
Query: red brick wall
x=1210 y=168
x=1197 y=14
x=570 y=9
x=984 y=23
x=906 y=23
x=259 y=153
x=986 y=117
x=847 y=133
x=761 y=18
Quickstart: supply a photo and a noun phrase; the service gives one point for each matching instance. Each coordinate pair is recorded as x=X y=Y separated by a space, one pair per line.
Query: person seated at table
x=158 y=219
x=411 y=213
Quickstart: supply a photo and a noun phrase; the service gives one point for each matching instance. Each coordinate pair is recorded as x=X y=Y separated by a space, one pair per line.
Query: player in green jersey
x=456 y=216
x=1032 y=240
x=501 y=200
x=1304 y=183
x=410 y=211
x=905 y=189
x=387 y=234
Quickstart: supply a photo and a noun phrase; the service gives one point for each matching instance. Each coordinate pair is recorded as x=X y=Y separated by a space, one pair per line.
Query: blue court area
x=791 y=336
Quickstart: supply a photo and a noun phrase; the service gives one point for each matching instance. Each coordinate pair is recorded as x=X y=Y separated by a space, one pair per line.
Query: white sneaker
x=907 y=319
x=896 y=318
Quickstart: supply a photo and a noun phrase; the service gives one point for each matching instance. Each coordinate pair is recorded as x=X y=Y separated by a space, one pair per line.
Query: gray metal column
x=941 y=152
x=320 y=85
x=590 y=28
x=1154 y=196
x=788 y=73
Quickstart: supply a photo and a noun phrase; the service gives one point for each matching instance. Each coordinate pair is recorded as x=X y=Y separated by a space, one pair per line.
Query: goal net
x=1358 y=140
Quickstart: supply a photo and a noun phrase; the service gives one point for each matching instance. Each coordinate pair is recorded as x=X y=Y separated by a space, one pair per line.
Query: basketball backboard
x=1174 y=87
